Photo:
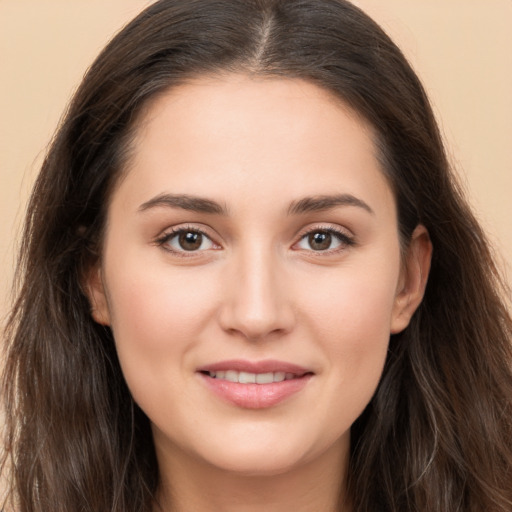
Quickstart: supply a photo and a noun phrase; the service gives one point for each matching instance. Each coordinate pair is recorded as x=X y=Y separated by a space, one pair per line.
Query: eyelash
x=174 y=232
x=342 y=237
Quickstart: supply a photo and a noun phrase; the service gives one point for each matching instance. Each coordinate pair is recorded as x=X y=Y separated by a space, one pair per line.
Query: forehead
x=265 y=101
x=221 y=134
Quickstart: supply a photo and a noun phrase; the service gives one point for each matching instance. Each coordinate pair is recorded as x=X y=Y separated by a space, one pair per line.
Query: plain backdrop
x=462 y=50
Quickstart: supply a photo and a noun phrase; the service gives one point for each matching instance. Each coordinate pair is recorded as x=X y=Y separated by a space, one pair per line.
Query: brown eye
x=320 y=240
x=190 y=240
x=187 y=240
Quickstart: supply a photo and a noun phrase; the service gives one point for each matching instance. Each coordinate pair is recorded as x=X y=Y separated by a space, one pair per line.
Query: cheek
x=156 y=317
x=154 y=299
x=354 y=304
x=351 y=319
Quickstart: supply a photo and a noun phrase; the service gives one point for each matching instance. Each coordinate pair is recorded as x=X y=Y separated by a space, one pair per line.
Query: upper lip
x=265 y=366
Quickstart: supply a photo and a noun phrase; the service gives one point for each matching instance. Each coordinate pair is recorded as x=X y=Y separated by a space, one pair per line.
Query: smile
x=255 y=385
x=252 y=378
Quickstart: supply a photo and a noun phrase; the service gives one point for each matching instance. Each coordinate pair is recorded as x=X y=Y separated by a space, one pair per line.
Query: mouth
x=255 y=385
x=252 y=378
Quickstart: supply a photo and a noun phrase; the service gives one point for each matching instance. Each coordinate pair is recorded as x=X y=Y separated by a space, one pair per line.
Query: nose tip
x=255 y=325
x=257 y=304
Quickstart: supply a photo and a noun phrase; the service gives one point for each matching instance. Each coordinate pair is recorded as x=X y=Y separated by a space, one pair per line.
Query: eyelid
x=345 y=237
x=169 y=233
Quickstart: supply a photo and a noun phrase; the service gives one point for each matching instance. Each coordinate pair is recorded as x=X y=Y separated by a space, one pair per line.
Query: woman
x=250 y=282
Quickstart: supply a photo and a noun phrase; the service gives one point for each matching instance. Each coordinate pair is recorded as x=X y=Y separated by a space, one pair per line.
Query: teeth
x=251 y=378
x=247 y=378
x=264 y=378
x=279 y=376
x=231 y=375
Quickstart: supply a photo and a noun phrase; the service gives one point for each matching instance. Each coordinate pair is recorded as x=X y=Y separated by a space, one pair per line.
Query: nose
x=257 y=297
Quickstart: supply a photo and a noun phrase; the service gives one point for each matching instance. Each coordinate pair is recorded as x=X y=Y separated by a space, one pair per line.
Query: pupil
x=320 y=241
x=190 y=241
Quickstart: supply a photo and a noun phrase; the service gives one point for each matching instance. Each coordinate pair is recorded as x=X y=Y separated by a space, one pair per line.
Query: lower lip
x=255 y=396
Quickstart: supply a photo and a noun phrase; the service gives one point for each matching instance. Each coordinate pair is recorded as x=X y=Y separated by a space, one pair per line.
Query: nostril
x=257 y=302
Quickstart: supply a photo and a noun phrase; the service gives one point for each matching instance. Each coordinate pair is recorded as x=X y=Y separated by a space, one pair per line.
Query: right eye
x=183 y=240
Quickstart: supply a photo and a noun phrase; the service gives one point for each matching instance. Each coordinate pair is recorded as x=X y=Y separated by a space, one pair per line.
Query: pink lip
x=266 y=366
x=255 y=396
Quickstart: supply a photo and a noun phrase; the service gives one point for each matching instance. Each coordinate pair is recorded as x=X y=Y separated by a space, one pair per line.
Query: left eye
x=323 y=240
x=188 y=240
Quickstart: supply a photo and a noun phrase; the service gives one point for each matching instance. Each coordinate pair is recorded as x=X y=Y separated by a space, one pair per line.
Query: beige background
x=462 y=49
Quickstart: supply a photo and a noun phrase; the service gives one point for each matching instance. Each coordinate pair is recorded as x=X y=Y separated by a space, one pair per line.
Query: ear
x=95 y=291
x=413 y=279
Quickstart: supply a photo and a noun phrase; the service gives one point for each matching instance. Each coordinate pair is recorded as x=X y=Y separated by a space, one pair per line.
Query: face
x=251 y=273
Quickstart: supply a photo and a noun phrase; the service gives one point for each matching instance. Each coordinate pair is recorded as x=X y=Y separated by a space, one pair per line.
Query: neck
x=191 y=485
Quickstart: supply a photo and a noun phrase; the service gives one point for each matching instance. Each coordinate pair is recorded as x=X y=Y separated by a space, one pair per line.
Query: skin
x=257 y=288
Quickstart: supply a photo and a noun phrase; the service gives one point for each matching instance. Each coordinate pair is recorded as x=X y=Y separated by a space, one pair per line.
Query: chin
x=251 y=455
x=256 y=464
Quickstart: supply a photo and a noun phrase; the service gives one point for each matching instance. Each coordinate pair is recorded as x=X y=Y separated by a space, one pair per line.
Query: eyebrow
x=326 y=202
x=185 y=202
x=301 y=206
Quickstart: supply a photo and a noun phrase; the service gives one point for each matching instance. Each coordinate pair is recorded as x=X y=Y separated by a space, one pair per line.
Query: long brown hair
x=437 y=435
